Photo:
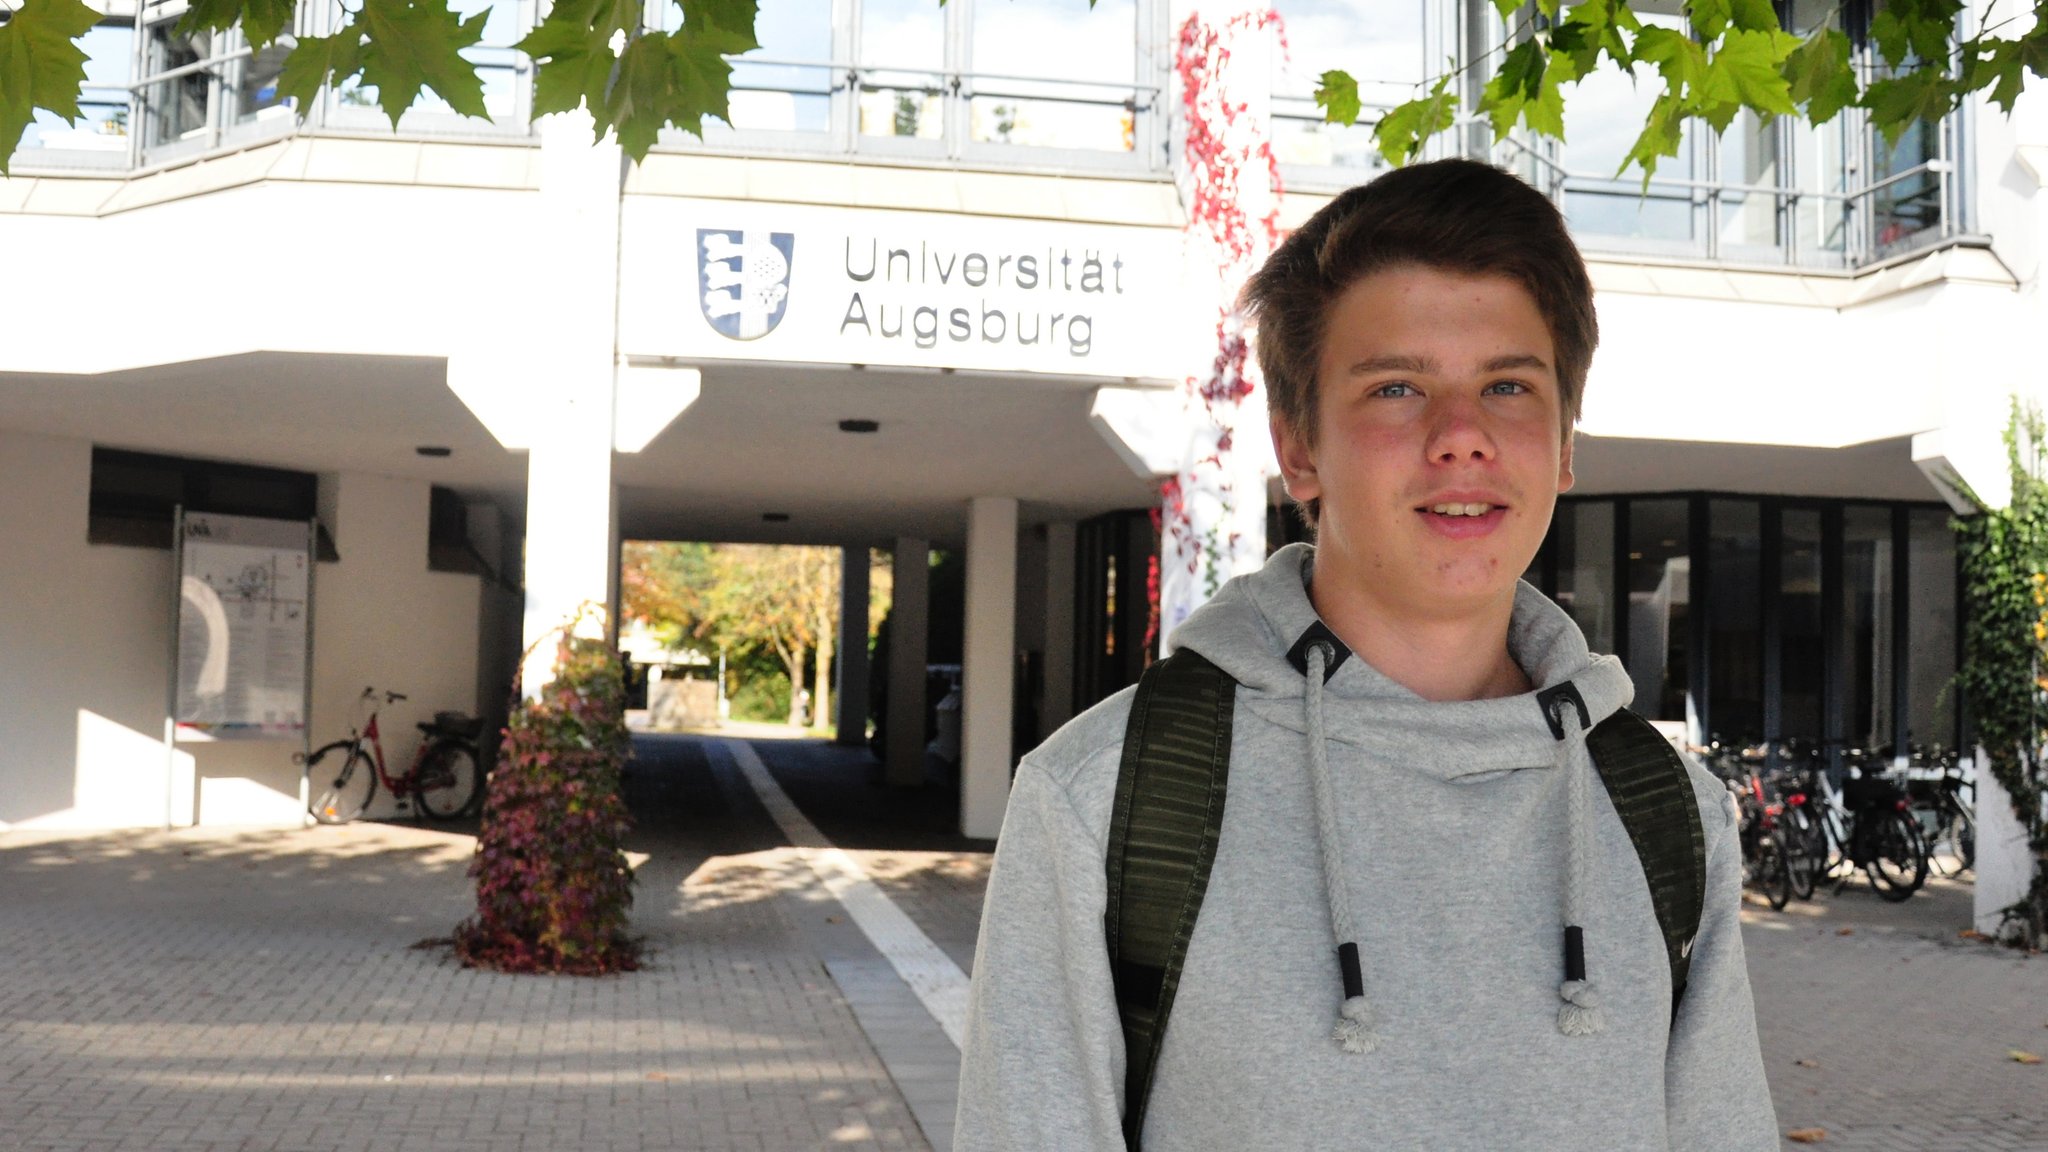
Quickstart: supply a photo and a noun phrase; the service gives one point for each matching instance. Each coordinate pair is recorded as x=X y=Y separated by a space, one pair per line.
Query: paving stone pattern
x=259 y=992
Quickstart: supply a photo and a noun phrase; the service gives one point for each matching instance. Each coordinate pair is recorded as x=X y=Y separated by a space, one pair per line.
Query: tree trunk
x=793 y=662
x=821 y=695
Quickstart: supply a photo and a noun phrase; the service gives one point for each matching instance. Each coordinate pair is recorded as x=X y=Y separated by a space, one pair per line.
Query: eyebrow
x=1426 y=366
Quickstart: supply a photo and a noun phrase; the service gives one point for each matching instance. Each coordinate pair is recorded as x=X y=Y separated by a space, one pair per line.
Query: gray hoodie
x=1460 y=837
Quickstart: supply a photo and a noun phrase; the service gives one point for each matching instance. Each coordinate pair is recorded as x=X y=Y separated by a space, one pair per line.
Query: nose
x=1458 y=433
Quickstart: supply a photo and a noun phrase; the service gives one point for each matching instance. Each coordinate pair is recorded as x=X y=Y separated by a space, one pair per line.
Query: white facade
x=331 y=299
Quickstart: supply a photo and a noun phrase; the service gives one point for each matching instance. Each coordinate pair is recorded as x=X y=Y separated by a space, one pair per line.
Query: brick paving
x=259 y=992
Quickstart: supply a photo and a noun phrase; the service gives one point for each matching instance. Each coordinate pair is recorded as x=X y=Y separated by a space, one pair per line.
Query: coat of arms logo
x=743 y=280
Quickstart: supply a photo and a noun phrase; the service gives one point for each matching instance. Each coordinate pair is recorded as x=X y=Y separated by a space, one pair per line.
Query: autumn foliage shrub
x=552 y=883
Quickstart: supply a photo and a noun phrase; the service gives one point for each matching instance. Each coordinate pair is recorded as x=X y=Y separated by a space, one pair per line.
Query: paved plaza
x=208 y=991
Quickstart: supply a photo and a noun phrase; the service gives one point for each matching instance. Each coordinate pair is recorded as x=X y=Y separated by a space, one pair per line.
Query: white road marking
x=938 y=982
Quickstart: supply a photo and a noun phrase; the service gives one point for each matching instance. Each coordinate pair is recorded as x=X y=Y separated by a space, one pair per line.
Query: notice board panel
x=244 y=627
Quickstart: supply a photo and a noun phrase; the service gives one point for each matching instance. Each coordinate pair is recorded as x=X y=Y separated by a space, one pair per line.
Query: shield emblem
x=743 y=280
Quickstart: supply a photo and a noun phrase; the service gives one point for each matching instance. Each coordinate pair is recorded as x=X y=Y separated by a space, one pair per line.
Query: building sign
x=244 y=627
x=732 y=280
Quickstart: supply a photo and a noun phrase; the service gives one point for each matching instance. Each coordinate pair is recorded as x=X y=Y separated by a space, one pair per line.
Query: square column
x=853 y=647
x=989 y=664
x=571 y=505
x=909 y=625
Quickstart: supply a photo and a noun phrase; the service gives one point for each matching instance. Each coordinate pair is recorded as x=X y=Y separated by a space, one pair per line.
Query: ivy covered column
x=1213 y=512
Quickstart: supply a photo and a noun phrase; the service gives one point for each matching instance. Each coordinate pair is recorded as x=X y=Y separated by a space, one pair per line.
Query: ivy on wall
x=2004 y=675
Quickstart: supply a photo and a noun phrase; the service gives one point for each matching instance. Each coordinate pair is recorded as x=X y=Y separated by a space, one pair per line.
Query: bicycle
x=1883 y=839
x=1935 y=785
x=443 y=777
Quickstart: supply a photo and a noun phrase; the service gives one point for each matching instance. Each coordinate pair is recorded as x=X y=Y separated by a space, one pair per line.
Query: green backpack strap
x=1652 y=793
x=1162 y=841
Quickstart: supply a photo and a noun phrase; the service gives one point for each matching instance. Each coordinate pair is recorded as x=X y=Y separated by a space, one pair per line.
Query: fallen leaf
x=657 y=1075
x=1804 y=1063
x=1972 y=934
x=2020 y=1057
x=1838 y=932
x=1807 y=1135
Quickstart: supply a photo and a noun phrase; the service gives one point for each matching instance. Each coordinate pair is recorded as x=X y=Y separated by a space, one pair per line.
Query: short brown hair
x=1456 y=215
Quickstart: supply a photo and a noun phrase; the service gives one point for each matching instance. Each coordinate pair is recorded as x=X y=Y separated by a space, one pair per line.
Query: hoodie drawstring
x=1579 y=1014
x=1354 y=1028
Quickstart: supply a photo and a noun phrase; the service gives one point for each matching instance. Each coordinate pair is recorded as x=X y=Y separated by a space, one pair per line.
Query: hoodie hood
x=1250 y=627
x=1294 y=672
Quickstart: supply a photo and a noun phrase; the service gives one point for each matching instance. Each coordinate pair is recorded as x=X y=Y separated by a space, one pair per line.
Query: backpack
x=1168 y=816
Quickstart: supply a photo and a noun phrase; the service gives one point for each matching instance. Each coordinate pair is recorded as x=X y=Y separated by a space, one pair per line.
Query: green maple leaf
x=1545 y=114
x=1663 y=133
x=736 y=16
x=1400 y=133
x=416 y=44
x=1819 y=75
x=1337 y=95
x=1518 y=81
x=1746 y=73
x=638 y=103
x=1896 y=102
x=40 y=66
x=1710 y=18
x=1754 y=15
x=573 y=51
x=2002 y=65
x=1508 y=8
x=261 y=20
x=319 y=60
x=701 y=76
x=1680 y=59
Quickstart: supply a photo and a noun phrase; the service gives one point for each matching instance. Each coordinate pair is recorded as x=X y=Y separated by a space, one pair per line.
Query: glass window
x=1820 y=166
x=1866 y=626
x=1585 y=568
x=109 y=55
x=1604 y=114
x=1379 y=43
x=1800 y=659
x=1659 y=596
x=1094 y=49
x=1735 y=654
x=1749 y=158
x=794 y=92
x=1930 y=628
x=177 y=109
x=902 y=59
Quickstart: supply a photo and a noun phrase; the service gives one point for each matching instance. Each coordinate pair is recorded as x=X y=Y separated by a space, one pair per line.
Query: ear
x=1297 y=463
x=1565 y=479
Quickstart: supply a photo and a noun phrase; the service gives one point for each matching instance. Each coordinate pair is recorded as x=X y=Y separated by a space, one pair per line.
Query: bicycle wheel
x=1773 y=876
x=1898 y=862
x=448 y=780
x=1800 y=858
x=341 y=793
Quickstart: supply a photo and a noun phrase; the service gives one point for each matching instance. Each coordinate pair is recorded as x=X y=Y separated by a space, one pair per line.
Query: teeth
x=1461 y=509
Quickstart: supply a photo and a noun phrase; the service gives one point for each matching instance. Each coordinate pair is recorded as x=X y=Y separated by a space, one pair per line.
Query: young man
x=1399 y=795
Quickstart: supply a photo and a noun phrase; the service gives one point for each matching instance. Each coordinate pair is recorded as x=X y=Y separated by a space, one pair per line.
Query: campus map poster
x=244 y=636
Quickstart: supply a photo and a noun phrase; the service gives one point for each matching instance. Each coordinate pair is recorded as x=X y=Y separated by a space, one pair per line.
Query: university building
x=932 y=287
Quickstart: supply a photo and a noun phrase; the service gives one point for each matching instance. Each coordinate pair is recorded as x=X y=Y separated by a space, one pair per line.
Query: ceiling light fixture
x=437 y=451
x=775 y=517
x=859 y=425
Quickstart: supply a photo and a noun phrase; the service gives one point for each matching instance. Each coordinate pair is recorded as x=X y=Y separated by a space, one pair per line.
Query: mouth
x=1463 y=519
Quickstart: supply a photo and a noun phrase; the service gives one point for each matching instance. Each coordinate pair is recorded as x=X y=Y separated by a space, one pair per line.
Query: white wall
x=84 y=653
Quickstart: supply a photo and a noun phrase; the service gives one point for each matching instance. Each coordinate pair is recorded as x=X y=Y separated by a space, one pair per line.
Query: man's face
x=1438 y=399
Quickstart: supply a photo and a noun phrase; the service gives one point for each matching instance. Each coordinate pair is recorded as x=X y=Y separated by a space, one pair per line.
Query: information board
x=244 y=627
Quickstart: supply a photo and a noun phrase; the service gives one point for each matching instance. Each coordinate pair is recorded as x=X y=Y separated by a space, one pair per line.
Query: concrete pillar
x=989 y=664
x=571 y=507
x=909 y=624
x=853 y=646
x=1059 y=628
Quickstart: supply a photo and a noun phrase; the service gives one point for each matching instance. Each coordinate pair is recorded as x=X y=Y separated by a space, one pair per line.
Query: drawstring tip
x=1354 y=1026
x=1579 y=1015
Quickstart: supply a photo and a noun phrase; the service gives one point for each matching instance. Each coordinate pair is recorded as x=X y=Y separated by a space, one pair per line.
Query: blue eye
x=1389 y=390
x=1515 y=384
